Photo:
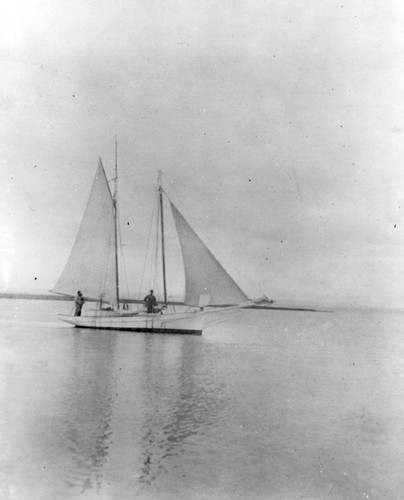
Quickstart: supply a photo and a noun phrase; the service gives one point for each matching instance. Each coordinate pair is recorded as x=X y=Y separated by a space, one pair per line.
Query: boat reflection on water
x=134 y=404
x=181 y=400
x=89 y=408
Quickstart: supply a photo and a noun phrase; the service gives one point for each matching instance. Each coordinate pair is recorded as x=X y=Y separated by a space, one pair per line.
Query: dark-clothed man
x=150 y=301
x=79 y=301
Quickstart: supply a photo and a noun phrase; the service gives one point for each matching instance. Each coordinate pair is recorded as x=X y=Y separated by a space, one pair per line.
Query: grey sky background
x=279 y=126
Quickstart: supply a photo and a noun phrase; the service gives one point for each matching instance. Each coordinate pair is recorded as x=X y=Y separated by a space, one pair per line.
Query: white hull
x=185 y=322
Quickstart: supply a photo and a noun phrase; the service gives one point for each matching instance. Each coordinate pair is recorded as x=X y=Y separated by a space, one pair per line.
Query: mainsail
x=91 y=266
x=204 y=275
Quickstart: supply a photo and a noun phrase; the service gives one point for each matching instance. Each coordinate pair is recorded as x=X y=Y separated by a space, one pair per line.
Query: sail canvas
x=204 y=275
x=91 y=266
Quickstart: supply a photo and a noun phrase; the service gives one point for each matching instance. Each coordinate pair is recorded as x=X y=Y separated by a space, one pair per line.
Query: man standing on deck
x=79 y=301
x=151 y=301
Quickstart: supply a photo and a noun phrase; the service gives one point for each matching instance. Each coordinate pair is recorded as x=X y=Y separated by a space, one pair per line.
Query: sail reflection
x=135 y=405
x=89 y=408
x=183 y=402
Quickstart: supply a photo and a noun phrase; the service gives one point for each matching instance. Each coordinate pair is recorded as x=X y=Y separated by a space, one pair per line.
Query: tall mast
x=162 y=238
x=116 y=224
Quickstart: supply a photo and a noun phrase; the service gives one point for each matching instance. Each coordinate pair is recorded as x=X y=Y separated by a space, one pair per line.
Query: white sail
x=91 y=266
x=205 y=277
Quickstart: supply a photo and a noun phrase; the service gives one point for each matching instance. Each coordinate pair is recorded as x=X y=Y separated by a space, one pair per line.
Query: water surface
x=269 y=405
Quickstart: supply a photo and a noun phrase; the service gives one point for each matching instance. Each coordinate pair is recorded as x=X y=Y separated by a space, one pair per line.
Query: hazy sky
x=278 y=123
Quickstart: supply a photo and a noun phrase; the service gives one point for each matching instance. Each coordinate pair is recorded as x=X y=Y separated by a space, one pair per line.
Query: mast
x=116 y=224
x=162 y=237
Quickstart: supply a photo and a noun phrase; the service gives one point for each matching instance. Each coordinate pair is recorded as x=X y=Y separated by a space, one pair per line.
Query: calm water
x=277 y=405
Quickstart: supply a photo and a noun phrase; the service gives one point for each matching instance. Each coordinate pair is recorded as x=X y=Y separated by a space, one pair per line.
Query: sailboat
x=93 y=268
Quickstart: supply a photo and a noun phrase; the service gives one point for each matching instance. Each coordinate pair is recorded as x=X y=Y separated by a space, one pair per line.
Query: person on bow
x=150 y=301
x=78 y=301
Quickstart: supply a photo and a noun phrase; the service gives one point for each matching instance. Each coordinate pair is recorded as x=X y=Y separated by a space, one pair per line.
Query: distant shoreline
x=277 y=306
x=66 y=298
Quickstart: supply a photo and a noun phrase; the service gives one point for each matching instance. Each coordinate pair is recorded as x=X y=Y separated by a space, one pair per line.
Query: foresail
x=91 y=265
x=204 y=275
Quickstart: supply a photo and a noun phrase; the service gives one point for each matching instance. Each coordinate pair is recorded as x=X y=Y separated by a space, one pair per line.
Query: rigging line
x=123 y=262
x=156 y=249
x=148 y=244
x=162 y=240
x=116 y=240
x=103 y=282
x=206 y=239
x=117 y=228
x=145 y=260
